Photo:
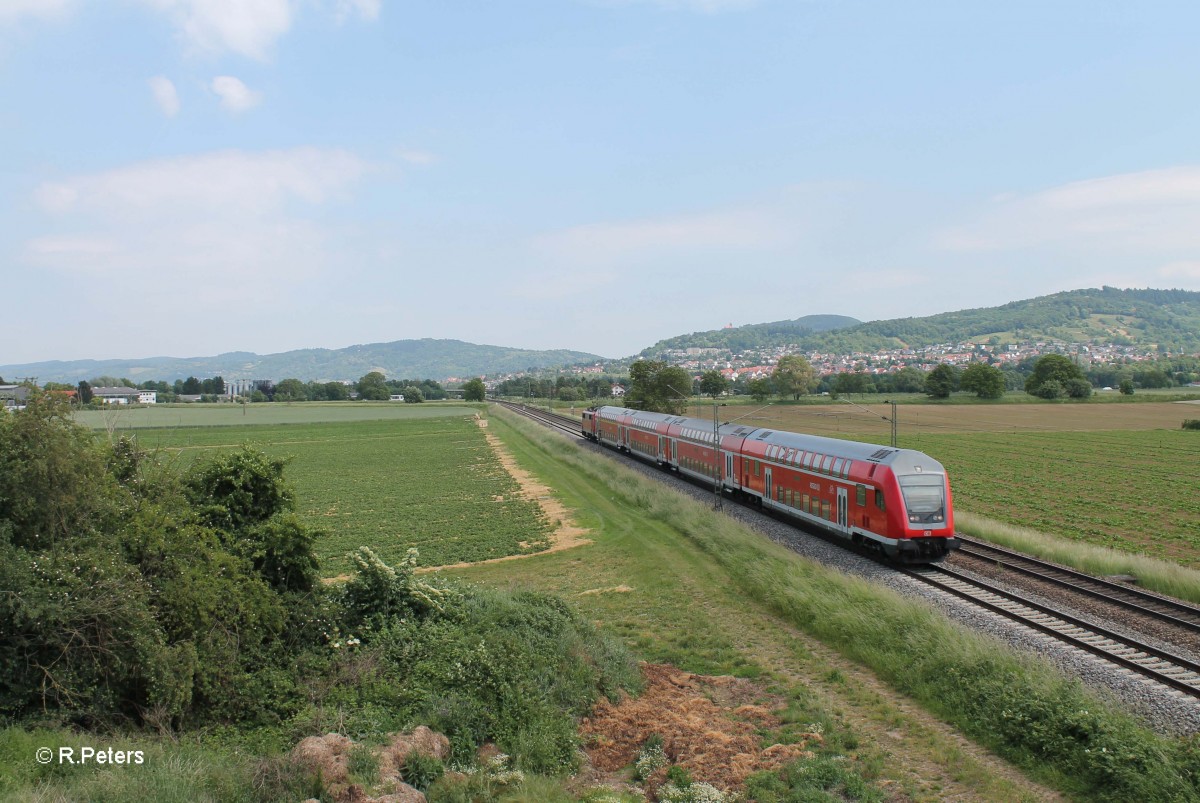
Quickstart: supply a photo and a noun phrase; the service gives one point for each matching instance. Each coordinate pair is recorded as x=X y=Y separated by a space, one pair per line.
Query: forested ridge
x=1169 y=319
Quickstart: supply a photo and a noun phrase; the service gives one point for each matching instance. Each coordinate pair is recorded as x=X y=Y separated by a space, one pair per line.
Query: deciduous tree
x=985 y=381
x=942 y=381
x=794 y=376
x=713 y=383
x=474 y=390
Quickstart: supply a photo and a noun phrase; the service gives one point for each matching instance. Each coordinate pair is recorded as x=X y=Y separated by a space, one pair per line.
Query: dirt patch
x=621 y=589
x=568 y=534
x=709 y=725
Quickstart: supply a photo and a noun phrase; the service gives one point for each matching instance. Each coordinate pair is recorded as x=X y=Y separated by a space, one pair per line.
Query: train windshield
x=925 y=497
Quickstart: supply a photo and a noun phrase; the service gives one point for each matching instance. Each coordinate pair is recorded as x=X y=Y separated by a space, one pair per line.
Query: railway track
x=1173 y=612
x=1168 y=669
x=1172 y=671
x=562 y=423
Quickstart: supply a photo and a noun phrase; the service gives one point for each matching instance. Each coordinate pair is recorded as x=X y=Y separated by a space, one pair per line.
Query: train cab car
x=895 y=501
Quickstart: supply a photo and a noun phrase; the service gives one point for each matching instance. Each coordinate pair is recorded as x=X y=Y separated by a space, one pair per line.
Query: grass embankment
x=1020 y=707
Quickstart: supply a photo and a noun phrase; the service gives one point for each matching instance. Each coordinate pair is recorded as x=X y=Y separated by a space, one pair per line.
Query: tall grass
x=1156 y=575
x=1021 y=707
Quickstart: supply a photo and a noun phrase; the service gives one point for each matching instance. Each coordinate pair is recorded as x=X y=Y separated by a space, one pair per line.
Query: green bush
x=1191 y=423
x=421 y=771
x=128 y=606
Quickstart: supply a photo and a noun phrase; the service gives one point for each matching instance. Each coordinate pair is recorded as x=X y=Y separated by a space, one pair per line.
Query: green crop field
x=1133 y=491
x=427 y=482
x=155 y=416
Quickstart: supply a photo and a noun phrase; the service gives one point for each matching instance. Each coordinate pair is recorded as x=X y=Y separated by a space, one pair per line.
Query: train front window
x=924 y=497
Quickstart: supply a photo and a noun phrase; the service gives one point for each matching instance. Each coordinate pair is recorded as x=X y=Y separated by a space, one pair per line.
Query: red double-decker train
x=896 y=501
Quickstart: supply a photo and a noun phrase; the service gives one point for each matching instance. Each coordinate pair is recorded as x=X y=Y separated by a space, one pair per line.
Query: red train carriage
x=895 y=500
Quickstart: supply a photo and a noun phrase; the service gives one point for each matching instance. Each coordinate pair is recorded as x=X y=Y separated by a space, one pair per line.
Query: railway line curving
x=1153 y=678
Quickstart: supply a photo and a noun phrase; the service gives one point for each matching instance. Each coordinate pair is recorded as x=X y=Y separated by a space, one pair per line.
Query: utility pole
x=891 y=419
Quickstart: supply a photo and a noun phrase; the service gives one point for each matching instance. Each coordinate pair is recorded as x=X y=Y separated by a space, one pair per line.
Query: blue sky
x=188 y=177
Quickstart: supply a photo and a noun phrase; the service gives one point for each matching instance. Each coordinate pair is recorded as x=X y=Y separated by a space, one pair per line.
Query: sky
x=191 y=177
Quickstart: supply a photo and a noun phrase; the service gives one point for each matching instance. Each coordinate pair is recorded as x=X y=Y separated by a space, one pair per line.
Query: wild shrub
x=1191 y=423
x=127 y=607
x=513 y=668
x=421 y=770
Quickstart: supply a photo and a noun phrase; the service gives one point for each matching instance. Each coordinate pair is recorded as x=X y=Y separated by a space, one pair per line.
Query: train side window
x=825 y=464
x=861 y=495
x=879 y=500
x=846 y=470
x=837 y=467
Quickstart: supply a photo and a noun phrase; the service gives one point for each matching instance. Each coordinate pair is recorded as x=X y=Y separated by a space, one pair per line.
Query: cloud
x=363 y=9
x=165 y=95
x=247 y=27
x=1183 y=269
x=235 y=96
x=1150 y=211
x=214 y=228
x=13 y=10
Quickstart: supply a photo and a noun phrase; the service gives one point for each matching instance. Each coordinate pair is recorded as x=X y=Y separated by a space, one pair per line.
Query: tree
x=192 y=386
x=474 y=390
x=794 y=376
x=759 y=389
x=653 y=385
x=1078 y=388
x=908 y=380
x=985 y=381
x=412 y=394
x=290 y=390
x=853 y=382
x=713 y=383
x=1126 y=387
x=942 y=381
x=373 y=387
x=1056 y=368
x=1050 y=389
x=85 y=391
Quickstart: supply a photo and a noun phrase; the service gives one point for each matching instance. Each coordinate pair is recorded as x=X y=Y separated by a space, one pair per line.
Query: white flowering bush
x=379 y=592
x=650 y=758
x=695 y=792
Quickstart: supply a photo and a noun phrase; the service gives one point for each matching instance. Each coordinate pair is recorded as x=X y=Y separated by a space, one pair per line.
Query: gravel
x=1165 y=710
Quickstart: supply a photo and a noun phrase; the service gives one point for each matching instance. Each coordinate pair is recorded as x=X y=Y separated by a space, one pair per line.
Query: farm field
x=156 y=416
x=918 y=420
x=427 y=482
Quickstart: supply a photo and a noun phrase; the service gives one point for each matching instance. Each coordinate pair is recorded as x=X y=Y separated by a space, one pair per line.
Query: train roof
x=902 y=461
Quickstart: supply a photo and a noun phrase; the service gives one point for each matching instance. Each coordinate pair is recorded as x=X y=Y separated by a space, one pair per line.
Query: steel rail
x=1161 y=666
x=1172 y=611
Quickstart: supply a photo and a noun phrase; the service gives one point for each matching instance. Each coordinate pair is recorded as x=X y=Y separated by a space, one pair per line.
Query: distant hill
x=756 y=335
x=400 y=359
x=1169 y=319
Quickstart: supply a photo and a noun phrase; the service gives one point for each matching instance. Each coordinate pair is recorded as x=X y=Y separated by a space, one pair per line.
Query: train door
x=768 y=490
x=843 y=508
x=622 y=436
x=729 y=467
x=674 y=452
x=662 y=449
